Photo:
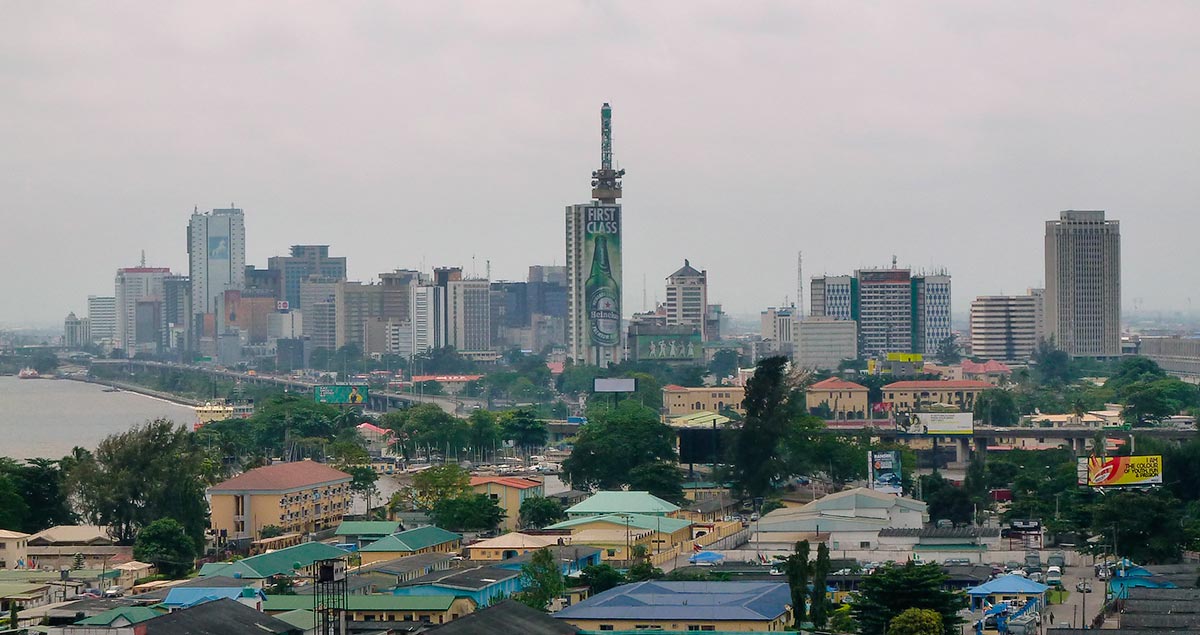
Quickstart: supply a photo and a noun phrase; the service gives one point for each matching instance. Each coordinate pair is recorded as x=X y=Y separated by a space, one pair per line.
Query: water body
x=47 y=418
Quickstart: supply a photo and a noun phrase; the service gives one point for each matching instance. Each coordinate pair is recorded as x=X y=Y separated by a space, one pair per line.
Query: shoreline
x=140 y=390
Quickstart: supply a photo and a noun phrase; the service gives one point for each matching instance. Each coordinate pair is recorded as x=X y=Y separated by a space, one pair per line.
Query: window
x=701 y=627
x=865 y=544
x=606 y=627
x=611 y=553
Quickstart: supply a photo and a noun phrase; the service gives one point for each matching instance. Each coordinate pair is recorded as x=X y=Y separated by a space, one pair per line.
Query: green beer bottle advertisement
x=604 y=298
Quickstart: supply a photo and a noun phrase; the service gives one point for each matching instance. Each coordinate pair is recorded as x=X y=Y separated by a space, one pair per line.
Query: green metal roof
x=614 y=502
x=278 y=562
x=303 y=619
x=378 y=602
x=133 y=614
x=237 y=569
x=9 y=589
x=367 y=528
x=640 y=521
x=413 y=540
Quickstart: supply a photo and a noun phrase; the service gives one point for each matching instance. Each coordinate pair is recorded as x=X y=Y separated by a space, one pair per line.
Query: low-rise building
x=413 y=541
x=181 y=598
x=302 y=497
x=508 y=616
x=508 y=492
x=685 y=606
x=913 y=396
x=510 y=545
x=383 y=608
x=823 y=343
x=679 y=400
x=853 y=519
x=14 y=549
x=57 y=547
x=837 y=399
x=282 y=562
x=668 y=531
x=386 y=574
x=622 y=502
x=365 y=532
x=481 y=585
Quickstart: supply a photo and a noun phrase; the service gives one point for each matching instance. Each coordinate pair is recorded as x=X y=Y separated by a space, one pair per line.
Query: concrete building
x=729 y=607
x=14 y=549
x=428 y=319
x=680 y=400
x=823 y=343
x=318 y=303
x=134 y=286
x=75 y=333
x=102 y=317
x=1004 y=327
x=778 y=328
x=216 y=256
x=1083 y=284
x=852 y=518
x=304 y=262
x=300 y=497
x=1039 y=313
x=1177 y=355
x=910 y=396
x=896 y=311
x=177 y=313
x=885 y=311
x=469 y=313
x=687 y=298
x=508 y=492
x=833 y=297
x=931 y=299
x=844 y=399
x=426 y=539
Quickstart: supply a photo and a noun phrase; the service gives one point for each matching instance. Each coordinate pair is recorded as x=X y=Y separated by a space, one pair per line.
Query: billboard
x=937 y=423
x=883 y=472
x=341 y=394
x=602 y=262
x=614 y=384
x=905 y=357
x=1118 y=471
x=699 y=445
x=667 y=348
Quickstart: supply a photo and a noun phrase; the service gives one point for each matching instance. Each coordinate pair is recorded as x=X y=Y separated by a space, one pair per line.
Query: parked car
x=1083 y=587
x=957 y=561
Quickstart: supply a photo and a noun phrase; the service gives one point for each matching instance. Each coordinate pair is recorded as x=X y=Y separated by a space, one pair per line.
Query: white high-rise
x=469 y=311
x=216 y=256
x=138 y=286
x=1083 y=283
x=687 y=298
x=102 y=314
x=428 y=307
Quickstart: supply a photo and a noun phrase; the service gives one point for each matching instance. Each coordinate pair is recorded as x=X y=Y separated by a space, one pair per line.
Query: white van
x=1054 y=576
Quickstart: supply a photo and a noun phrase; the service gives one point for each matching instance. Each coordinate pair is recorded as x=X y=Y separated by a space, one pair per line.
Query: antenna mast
x=606 y=182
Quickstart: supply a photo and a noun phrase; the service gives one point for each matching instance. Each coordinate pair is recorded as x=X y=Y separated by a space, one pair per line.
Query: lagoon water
x=47 y=418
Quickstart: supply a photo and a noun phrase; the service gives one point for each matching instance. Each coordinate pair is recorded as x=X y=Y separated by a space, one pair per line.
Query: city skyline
x=792 y=135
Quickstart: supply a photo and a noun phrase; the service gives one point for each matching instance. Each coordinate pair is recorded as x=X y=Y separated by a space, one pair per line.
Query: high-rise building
x=428 y=318
x=931 y=298
x=834 y=296
x=594 y=263
x=396 y=301
x=896 y=312
x=687 y=298
x=177 y=312
x=1083 y=283
x=216 y=256
x=102 y=315
x=318 y=308
x=469 y=315
x=137 y=289
x=263 y=283
x=1003 y=327
x=823 y=343
x=304 y=262
x=1039 y=313
x=778 y=327
x=75 y=331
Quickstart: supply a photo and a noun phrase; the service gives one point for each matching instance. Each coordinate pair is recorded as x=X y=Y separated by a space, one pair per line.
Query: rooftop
x=376 y=602
x=278 y=562
x=952 y=384
x=641 y=521
x=72 y=535
x=413 y=540
x=609 y=502
x=939 y=532
x=508 y=616
x=515 y=540
x=507 y=481
x=709 y=601
x=837 y=383
x=991 y=366
x=221 y=617
x=282 y=477
x=368 y=528
x=12 y=535
x=125 y=614
x=191 y=596
x=473 y=579
x=1009 y=585
x=408 y=564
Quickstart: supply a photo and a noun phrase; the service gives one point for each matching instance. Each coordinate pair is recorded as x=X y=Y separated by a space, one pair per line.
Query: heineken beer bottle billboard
x=602 y=290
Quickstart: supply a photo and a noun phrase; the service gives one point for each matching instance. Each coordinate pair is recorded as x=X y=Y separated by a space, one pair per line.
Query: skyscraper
x=469 y=315
x=687 y=298
x=216 y=256
x=1083 y=284
x=594 y=263
x=1004 y=327
x=102 y=314
x=305 y=261
x=138 y=324
x=896 y=311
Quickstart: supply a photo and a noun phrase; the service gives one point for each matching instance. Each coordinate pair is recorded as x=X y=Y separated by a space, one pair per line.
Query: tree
x=916 y=622
x=13 y=510
x=1152 y=535
x=600 y=578
x=798 y=569
x=946 y=500
x=1053 y=365
x=151 y=472
x=543 y=580
x=165 y=544
x=660 y=478
x=615 y=442
x=996 y=407
x=892 y=589
x=438 y=483
x=756 y=462
x=539 y=511
x=473 y=512
x=362 y=482
x=948 y=351
x=40 y=485
x=725 y=363
x=642 y=568
x=524 y=429
x=483 y=433
x=270 y=531
x=77 y=563
x=820 y=573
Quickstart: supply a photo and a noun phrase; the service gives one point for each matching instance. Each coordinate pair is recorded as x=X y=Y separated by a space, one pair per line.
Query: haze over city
x=421 y=135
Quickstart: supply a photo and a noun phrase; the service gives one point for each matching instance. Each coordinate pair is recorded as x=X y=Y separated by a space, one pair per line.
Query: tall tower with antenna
x=594 y=284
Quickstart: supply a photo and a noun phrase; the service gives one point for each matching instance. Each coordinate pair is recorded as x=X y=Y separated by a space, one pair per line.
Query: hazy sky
x=415 y=134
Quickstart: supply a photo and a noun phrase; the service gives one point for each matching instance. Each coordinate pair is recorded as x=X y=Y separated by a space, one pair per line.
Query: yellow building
x=300 y=497
x=410 y=542
x=427 y=609
x=911 y=396
x=616 y=543
x=742 y=607
x=14 y=549
x=844 y=399
x=678 y=400
x=667 y=531
x=510 y=545
x=508 y=492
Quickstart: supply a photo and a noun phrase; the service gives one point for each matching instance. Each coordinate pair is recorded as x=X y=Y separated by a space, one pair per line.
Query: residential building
x=685 y=606
x=134 y=286
x=1039 y=313
x=14 y=549
x=410 y=542
x=368 y=612
x=823 y=343
x=896 y=311
x=668 y=531
x=680 y=400
x=1083 y=284
x=509 y=545
x=1004 y=327
x=219 y=616
x=508 y=492
x=56 y=547
x=75 y=331
x=480 y=585
x=216 y=256
x=102 y=318
x=509 y=616
x=851 y=519
x=838 y=399
x=365 y=532
x=305 y=261
x=179 y=599
x=687 y=298
x=622 y=502
x=301 y=497
x=913 y=396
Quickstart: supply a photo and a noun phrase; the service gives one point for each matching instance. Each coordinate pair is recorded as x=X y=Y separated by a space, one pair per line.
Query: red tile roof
x=281 y=477
x=990 y=366
x=938 y=385
x=507 y=481
x=836 y=383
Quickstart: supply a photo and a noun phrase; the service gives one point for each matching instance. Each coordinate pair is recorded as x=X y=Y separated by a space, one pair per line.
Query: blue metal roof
x=716 y=601
x=184 y=597
x=1009 y=584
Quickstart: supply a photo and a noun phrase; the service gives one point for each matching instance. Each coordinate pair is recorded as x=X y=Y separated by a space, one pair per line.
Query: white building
x=318 y=303
x=824 y=343
x=832 y=296
x=139 y=286
x=933 y=311
x=102 y=315
x=1083 y=283
x=687 y=298
x=428 y=311
x=216 y=256
x=1003 y=327
x=75 y=331
x=469 y=311
x=285 y=325
x=778 y=328
x=852 y=518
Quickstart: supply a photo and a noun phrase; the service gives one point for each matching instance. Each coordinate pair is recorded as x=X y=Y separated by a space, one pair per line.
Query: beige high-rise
x=1083 y=284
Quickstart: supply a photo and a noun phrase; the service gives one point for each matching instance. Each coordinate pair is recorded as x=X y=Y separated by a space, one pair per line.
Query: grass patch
x=1057 y=596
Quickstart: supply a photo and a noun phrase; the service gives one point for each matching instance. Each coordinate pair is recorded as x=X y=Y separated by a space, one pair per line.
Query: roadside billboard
x=614 y=384
x=1122 y=471
x=883 y=472
x=602 y=262
x=938 y=423
x=674 y=347
x=342 y=394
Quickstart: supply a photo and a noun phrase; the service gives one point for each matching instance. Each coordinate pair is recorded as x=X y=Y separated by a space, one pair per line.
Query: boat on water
x=28 y=373
x=221 y=411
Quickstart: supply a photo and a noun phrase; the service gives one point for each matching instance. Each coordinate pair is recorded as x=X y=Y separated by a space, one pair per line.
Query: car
x=956 y=561
x=842 y=572
x=1020 y=572
x=754 y=516
x=1083 y=587
x=1012 y=565
x=803 y=480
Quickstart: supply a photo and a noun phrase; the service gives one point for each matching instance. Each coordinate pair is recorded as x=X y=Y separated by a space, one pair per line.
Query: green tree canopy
x=471 y=512
x=661 y=478
x=539 y=511
x=615 y=442
x=440 y=482
x=523 y=428
x=165 y=544
x=916 y=622
x=756 y=464
x=543 y=580
x=893 y=589
x=945 y=499
x=996 y=407
x=601 y=577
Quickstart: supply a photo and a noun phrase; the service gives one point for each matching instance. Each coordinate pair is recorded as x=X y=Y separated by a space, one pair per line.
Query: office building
x=687 y=298
x=301 y=497
x=1039 y=313
x=318 y=305
x=823 y=343
x=428 y=319
x=263 y=283
x=1083 y=284
x=177 y=313
x=1004 y=327
x=896 y=311
x=468 y=308
x=102 y=316
x=396 y=294
x=594 y=282
x=778 y=328
x=833 y=297
x=139 y=286
x=216 y=256
x=931 y=299
x=75 y=332
x=304 y=262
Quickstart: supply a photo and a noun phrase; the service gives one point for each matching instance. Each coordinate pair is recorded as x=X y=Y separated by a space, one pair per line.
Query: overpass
x=379 y=400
